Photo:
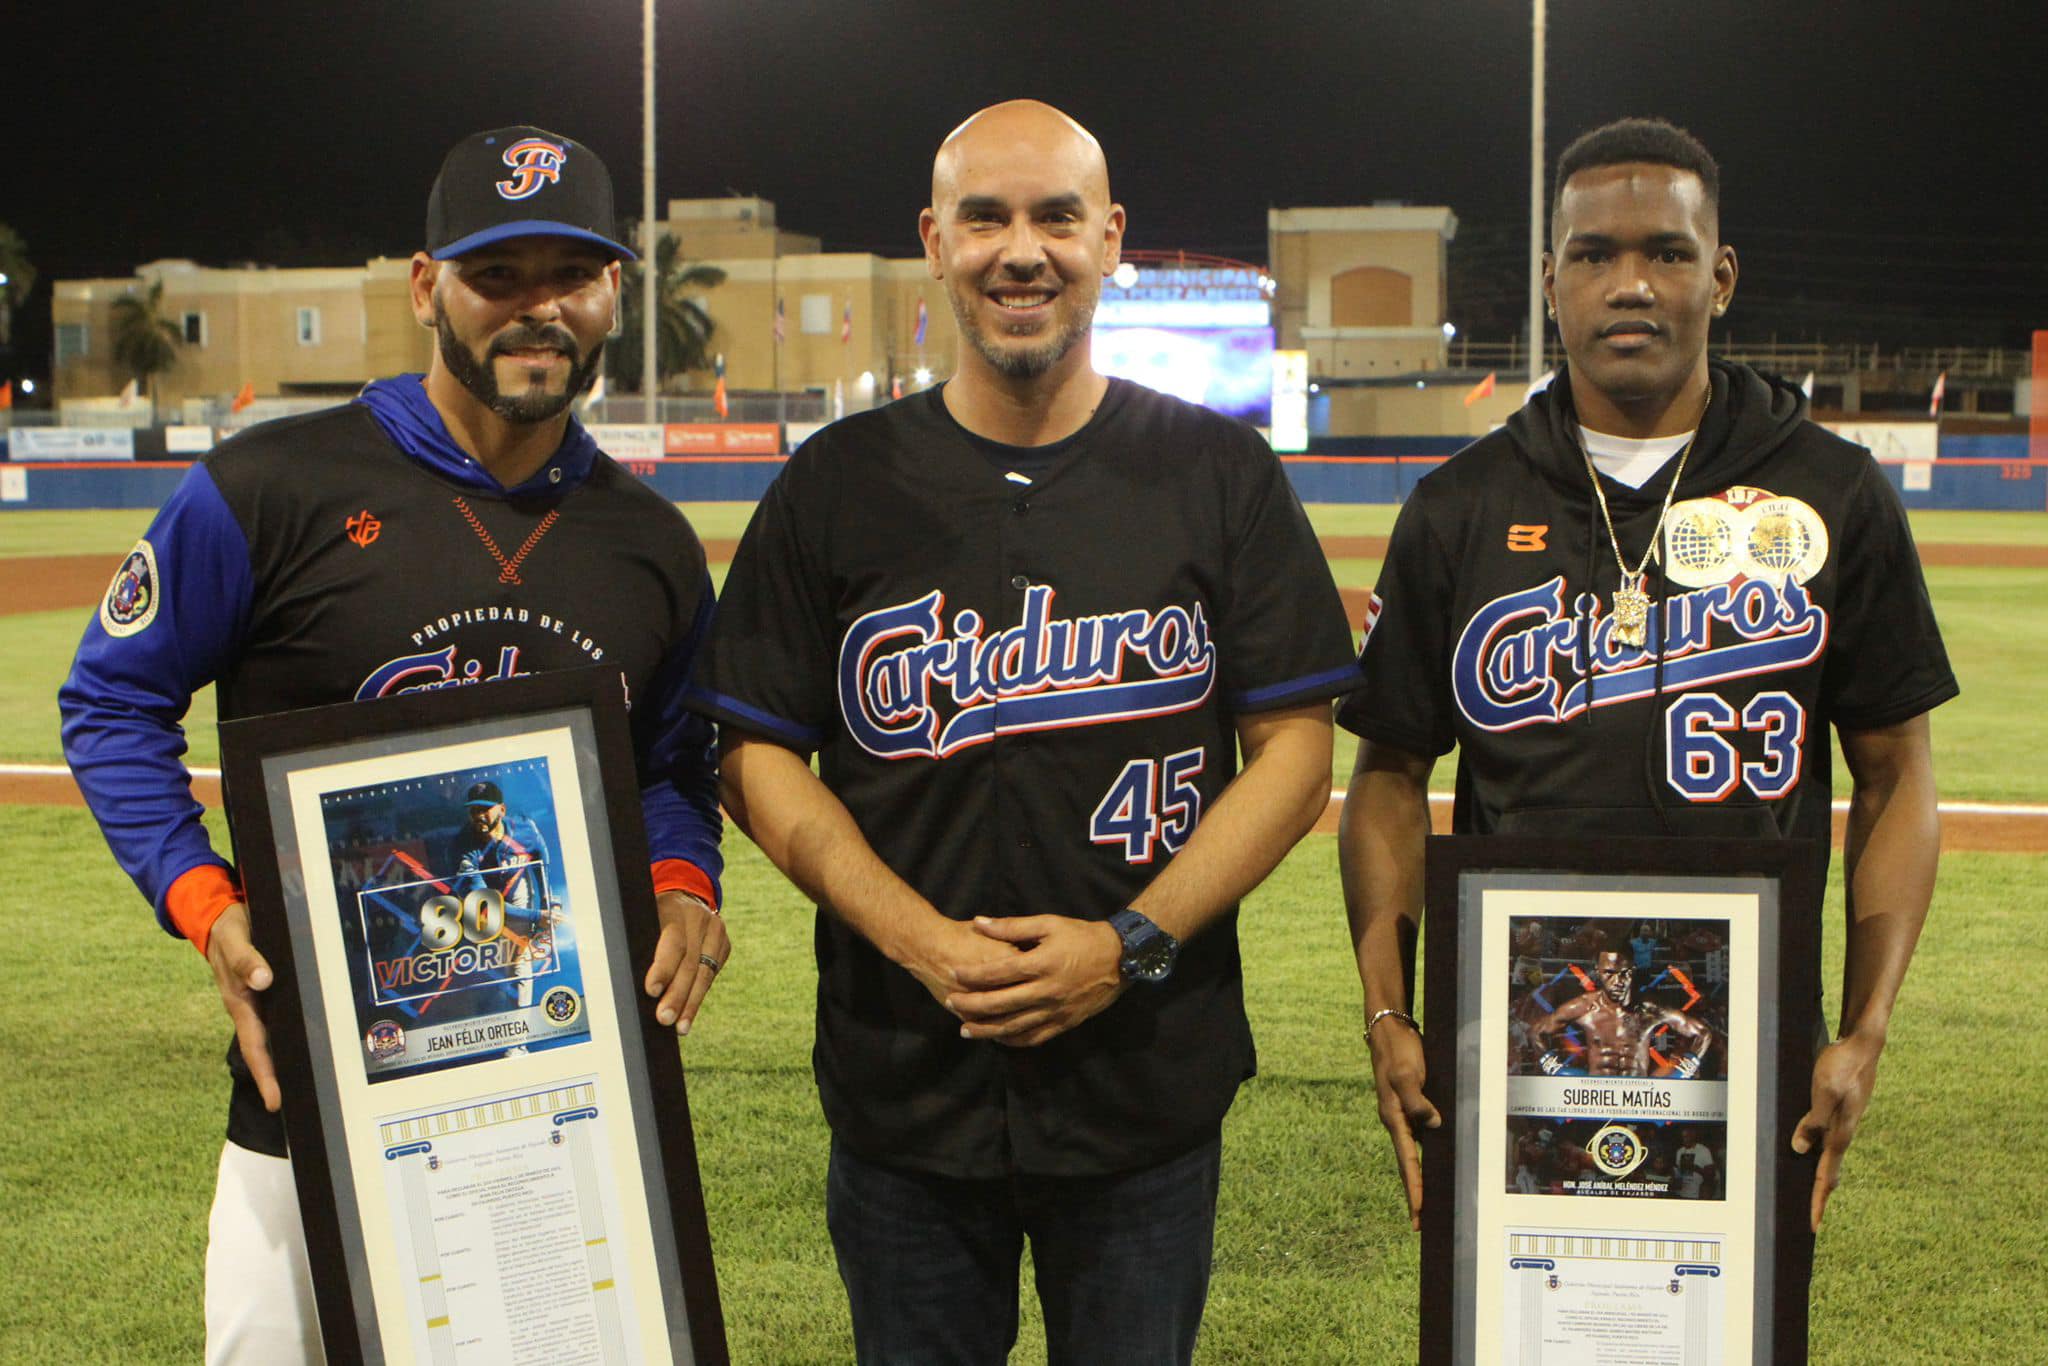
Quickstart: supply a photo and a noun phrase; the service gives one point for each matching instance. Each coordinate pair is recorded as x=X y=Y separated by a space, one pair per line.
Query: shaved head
x=1022 y=231
x=1030 y=130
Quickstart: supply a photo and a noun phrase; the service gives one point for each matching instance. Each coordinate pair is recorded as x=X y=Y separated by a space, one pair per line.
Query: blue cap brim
x=533 y=227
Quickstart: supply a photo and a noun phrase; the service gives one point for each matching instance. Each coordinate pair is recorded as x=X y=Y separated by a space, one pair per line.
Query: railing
x=1792 y=358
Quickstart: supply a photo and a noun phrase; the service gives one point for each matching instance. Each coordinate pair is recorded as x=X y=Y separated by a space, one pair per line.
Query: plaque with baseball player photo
x=489 y=1131
x=1616 y=1056
x=461 y=945
x=1618 y=1038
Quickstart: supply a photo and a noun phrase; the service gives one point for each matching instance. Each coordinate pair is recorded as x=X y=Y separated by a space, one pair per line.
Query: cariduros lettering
x=899 y=671
x=1517 y=662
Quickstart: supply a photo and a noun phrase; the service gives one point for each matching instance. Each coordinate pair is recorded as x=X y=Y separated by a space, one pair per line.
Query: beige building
x=1360 y=289
x=818 y=290
x=1363 y=290
x=309 y=333
x=285 y=332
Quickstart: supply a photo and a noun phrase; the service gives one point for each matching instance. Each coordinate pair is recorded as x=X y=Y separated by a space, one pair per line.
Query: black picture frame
x=1464 y=873
x=274 y=771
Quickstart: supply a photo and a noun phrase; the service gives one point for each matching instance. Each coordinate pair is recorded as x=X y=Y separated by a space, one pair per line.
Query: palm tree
x=682 y=328
x=145 y=341
x=17 y=278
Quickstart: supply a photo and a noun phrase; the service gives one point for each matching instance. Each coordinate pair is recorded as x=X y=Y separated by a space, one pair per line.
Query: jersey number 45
x=1152 y=802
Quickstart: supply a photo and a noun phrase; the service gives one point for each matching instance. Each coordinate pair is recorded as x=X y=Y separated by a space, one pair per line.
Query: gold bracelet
x=1401 y=1015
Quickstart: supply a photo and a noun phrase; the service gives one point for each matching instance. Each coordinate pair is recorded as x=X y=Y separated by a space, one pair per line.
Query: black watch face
x=1151 y=958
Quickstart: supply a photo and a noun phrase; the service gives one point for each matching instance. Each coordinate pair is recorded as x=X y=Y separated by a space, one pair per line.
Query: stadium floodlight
x=28 y=386
x=1124 y=276
x=1450 y=331
x=921 y=376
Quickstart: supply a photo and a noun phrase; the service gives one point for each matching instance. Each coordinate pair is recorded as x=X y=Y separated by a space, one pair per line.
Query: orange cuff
x=196 y=900
x=678 y=875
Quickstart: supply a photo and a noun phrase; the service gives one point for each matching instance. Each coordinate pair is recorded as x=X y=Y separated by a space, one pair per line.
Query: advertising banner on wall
x=71 y=443
x=628 y=440
x=721 y=438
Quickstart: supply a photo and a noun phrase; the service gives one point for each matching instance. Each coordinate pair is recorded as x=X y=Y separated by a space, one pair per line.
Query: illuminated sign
x=1183 y=297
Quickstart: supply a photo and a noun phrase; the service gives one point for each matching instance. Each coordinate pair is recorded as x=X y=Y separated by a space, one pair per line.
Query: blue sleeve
x=173 y=618
x=679 y=760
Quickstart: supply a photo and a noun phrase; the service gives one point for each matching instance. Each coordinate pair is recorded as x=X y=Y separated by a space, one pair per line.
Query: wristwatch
x=1149 y=952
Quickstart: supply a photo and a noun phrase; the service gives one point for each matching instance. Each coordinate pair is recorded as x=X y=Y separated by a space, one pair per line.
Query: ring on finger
x=708 y=961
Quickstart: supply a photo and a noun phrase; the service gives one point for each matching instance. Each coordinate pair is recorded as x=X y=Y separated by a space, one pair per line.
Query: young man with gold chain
x=1637 y=609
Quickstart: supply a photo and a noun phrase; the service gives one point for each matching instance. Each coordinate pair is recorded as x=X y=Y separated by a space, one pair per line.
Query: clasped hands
x=1022 y=980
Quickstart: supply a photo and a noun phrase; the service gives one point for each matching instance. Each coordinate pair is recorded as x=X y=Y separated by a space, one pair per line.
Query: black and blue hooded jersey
x=359 y=552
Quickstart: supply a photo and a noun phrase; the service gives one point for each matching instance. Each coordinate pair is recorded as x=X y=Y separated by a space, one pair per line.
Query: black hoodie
x=1786 y=596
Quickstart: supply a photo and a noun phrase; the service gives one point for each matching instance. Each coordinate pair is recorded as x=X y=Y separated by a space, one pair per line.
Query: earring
x=1551 y=309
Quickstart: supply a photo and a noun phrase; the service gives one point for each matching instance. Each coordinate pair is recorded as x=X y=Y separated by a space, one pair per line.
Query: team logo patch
x=131 y=601
x=385 y=1039
x=1617 y=1151
x=561 y=1005
x=363 y=527
x=1744 y=533
x=535 y=162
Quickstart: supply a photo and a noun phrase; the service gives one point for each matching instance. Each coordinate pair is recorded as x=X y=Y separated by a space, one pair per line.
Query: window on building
x=309 y=327
x=815 y=314
x=195 y=329
x=73 y=342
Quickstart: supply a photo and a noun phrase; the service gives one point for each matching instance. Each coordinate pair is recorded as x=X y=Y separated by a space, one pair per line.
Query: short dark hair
x=1625 y=140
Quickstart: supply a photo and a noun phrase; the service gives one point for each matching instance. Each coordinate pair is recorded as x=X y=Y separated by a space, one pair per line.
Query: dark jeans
x=930 y=1263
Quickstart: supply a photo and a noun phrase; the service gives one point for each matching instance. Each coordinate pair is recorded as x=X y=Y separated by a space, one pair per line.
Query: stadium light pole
x=1537 y=25
x=649 y=286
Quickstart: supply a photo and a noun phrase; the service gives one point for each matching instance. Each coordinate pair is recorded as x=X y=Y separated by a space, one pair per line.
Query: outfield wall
x=1972 y=472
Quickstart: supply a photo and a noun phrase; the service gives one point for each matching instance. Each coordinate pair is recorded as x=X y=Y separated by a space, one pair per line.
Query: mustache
x=553 y=336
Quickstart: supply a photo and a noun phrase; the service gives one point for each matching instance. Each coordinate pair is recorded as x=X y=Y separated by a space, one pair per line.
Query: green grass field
x=1931 y=1253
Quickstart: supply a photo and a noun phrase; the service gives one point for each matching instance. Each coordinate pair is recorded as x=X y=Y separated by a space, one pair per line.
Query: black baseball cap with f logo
x=520 y=182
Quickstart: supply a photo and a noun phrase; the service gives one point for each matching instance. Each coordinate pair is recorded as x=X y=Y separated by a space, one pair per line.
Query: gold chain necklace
x=1630 y=605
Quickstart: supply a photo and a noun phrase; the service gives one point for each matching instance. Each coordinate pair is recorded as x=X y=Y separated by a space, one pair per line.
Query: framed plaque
x=1620 y=1038
x=489 y=1130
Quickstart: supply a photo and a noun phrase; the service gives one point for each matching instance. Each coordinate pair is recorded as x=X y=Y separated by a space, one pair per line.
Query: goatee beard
x=1028 y=362
x=481 y=380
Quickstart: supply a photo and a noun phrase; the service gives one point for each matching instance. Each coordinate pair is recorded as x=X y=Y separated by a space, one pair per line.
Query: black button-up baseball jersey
x=1025 y=693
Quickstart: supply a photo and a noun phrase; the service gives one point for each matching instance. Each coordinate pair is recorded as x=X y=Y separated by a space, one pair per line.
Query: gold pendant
x=1631 y=613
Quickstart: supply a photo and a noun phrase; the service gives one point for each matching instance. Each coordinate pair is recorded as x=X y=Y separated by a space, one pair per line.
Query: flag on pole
x=1940 y=389
x=923 y=320
x=895 y=386
x=1806 y=386
x=1483 y=389
x=244 y=397
x=846 y=323
x=718 y=391
x=781 y=323
x=6 y=395
x=129 y=394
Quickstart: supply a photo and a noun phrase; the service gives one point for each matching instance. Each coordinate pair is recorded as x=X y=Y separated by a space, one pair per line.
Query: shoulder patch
x=132 y=598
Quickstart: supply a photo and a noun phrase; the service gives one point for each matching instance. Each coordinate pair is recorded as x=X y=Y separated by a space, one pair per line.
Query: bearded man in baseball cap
x=448 y=528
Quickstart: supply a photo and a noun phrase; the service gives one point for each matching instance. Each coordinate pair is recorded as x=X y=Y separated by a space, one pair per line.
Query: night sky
x=1882 y=163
